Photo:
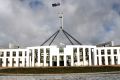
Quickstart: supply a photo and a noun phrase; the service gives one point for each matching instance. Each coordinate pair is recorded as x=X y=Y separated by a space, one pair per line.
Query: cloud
x=31 y=22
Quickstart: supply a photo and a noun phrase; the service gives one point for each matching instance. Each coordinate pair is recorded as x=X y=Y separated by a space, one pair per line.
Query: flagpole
x=61 y=15
x=61 y=20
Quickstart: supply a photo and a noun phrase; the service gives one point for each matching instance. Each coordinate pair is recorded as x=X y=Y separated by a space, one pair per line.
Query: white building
x=71 y=55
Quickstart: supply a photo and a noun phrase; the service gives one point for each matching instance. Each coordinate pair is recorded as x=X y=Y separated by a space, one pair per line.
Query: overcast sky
x=31 y=22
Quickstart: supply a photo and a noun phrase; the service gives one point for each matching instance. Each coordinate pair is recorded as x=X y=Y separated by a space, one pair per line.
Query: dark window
x=41 y=51
x=1 y=54
x=61 y=50
x=14 y=53
x=20 y=61
x=74 y=50
x=20 y=53
x=7 y=61
x=8 y=54
x=13 y=61
x=115 y=51
x=102 y=52
x=108 y=52
x=47 y=50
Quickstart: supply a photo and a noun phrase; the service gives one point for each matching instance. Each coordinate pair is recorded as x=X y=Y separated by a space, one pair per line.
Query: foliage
x=59 y=70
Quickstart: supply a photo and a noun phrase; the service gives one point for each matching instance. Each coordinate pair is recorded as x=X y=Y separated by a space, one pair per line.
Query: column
x=106 y=57
x=33 y=58
x=65 y=60
x=78 y=57
x=38 y=57
x=27 y=58
x=50 y=60
x=10 y=59
x=30 y=58
x=89 y=56
x=44 y=57
x=71 y=59
x=112 y=57
x=84 y=59
x=4 y=59
x=95 y=56
x=23 y=58
x=100 y=60
x=17 y=58
x=118 y=56
x=58 y=61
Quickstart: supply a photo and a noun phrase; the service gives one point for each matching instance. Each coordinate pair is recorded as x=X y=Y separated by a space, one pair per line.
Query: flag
x=55 y=4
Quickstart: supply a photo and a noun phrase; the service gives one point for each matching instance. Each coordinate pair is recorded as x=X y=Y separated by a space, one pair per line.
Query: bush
x=59 y=70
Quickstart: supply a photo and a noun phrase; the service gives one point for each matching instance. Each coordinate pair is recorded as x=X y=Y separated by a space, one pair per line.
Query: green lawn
x=59 y=70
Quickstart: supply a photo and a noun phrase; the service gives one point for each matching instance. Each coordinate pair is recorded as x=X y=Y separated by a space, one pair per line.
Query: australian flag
x=55 y=4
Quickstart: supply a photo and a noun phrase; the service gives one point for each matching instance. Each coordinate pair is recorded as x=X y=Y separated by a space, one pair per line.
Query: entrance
x=54 y=60
x=61 y=60
x=1 y=62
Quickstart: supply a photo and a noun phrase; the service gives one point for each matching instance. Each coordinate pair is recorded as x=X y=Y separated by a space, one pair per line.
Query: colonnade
x=108 y=56
x=71 y=55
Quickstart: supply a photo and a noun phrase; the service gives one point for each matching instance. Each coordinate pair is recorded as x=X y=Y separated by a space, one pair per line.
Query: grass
x=59 y=70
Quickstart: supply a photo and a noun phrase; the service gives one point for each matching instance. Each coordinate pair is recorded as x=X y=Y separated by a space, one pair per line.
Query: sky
x=31 y=22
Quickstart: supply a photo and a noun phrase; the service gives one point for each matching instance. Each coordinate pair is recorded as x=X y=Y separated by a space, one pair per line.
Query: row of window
x=109 y=60
x=13 y=54
x=13 y=61
x=108 y=52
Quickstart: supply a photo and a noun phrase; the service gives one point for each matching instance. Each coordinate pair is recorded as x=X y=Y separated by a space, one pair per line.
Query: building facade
x=70 y=55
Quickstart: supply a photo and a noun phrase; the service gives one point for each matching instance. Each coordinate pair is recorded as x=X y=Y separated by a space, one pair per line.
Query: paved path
x=74 y=76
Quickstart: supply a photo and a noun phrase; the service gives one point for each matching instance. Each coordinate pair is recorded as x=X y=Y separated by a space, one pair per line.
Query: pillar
x=10 y=59
x=95 y=56
x=78 y=57
x=84 y=58
x=44 y=57
x=27 y=58
x=50 y=60
x=106 y=57
x=4 y=59
x=89 y=56
x=58 y=61
x=38 y=57
x=17 y=59
x=112 y=57
x=118 y=56
x=71 y=59
x=23 y=58
x=99 y=54
x=65 y=60
x=33 y=58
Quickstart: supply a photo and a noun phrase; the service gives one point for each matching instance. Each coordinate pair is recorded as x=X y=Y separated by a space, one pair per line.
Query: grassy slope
x=53 y=70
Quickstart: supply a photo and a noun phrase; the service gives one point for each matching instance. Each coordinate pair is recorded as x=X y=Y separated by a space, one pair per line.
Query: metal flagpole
x=61 y=18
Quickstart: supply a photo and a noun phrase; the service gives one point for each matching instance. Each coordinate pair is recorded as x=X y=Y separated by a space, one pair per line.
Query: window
x=36 y=55
x=74 y=50
x=108 y=51
x=20 y=61
x=61 y=50
x=8 y=54
x=41 y=51
x=47 y=50
x=115 y=51
x=61 y=58
x=1 y=54
x=20 y=53
x=102 y=52
x=14 y=53
x=13 y=61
